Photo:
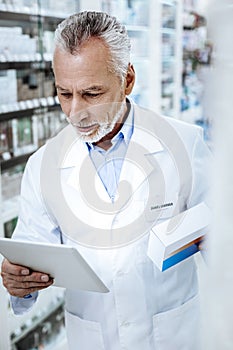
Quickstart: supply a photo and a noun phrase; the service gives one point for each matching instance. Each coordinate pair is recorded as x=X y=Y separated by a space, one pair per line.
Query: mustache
x=88 y=120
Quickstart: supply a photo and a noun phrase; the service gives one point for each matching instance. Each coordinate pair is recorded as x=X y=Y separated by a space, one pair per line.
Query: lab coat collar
x=145 y=129
x=74 y=150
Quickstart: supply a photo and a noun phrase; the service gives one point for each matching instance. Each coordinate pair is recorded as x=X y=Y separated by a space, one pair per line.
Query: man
x=143 y=162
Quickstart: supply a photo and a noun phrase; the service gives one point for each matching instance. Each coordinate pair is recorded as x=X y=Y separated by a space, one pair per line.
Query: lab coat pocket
x=83 y=334
x=178 y=329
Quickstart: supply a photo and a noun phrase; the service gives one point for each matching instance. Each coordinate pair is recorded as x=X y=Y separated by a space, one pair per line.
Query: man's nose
x=78 y=110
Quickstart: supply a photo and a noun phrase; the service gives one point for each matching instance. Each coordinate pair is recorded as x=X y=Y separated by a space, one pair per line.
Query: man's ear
x=130 y=79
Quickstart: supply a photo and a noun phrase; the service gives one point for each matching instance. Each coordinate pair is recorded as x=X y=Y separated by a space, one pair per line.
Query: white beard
x=104 y=128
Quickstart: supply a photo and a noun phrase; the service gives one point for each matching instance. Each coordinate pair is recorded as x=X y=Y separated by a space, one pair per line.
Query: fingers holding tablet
x=54 y=260
x=21 y=281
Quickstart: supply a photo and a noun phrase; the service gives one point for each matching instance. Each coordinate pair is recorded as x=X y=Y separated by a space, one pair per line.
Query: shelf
x=37 y=321
x=7 y=164
x=27 y=17
x=60 y=343
x=169 y=2
x=25 y=64
x=132 y=28
x=28 y=107
x=17 y=114
x=169 y=31
x=139 y=60
x=168 y=59
x=18 y=16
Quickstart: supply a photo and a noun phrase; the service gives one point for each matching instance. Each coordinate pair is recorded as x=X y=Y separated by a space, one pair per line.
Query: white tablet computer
x=63 y=263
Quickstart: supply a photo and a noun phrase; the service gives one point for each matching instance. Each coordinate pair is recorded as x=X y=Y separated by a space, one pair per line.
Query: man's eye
x=89 y=94
x=65 y=95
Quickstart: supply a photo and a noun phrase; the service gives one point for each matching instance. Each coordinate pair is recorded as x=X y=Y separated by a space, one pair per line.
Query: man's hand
x=20 y=281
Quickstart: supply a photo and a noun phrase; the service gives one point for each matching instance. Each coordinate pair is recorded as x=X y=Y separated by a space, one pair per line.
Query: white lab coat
x=145 y=309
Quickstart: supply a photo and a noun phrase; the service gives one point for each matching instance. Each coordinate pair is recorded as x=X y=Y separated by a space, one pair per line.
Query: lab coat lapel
x=141 y=177
x=138 y=164
x=82 y=169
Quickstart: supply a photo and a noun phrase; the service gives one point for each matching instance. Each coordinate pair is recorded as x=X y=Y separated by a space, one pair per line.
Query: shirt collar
x=127 y=128
x=130 y=131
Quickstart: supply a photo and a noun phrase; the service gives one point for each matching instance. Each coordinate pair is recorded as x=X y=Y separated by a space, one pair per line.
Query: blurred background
x=182 y=51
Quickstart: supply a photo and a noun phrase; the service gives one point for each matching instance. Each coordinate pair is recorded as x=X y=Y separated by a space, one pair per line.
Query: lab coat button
x=125 y=324
x=120 y=273
x=115 y=221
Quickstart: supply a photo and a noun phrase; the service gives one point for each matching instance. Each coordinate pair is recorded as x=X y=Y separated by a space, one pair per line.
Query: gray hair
x=78 y=28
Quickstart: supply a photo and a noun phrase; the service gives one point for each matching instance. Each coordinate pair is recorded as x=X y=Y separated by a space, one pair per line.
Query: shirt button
x=125 y=324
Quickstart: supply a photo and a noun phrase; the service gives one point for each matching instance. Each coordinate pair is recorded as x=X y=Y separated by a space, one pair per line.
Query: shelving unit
x=156 y=50
x=157 y=30
x=22 y=117
x=48 y=308
x=29 y=114
x=197 y=50
x=171 y=57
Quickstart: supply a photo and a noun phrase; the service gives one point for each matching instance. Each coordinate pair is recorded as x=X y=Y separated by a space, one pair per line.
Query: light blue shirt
x=109 y=163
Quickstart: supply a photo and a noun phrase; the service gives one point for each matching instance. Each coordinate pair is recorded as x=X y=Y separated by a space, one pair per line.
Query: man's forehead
x=86 y=64
x=87 y=70
x=92 y=45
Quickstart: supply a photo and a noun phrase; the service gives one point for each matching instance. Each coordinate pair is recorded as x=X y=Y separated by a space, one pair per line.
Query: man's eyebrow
x=60 y=88
x=90 y=88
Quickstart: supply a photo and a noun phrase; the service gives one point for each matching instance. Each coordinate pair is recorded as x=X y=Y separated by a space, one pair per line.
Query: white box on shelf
x=176 y=238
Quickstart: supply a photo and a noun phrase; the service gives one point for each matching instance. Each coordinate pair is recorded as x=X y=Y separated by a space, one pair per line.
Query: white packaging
x=175 y=239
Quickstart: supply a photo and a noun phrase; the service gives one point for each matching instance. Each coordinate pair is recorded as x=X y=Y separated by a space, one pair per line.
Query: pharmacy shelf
x=16 y=113
x=169 y=31
x=28 y=107
x=169 y=2
x=48 y=306
x=171 y=58
x=135 y=28
x=59 y=344
x=18 y=16
x=36 y=321
x=24 y=64
x=7 y=164
x=29 y=18
x=34 y=23
x=197 y=53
